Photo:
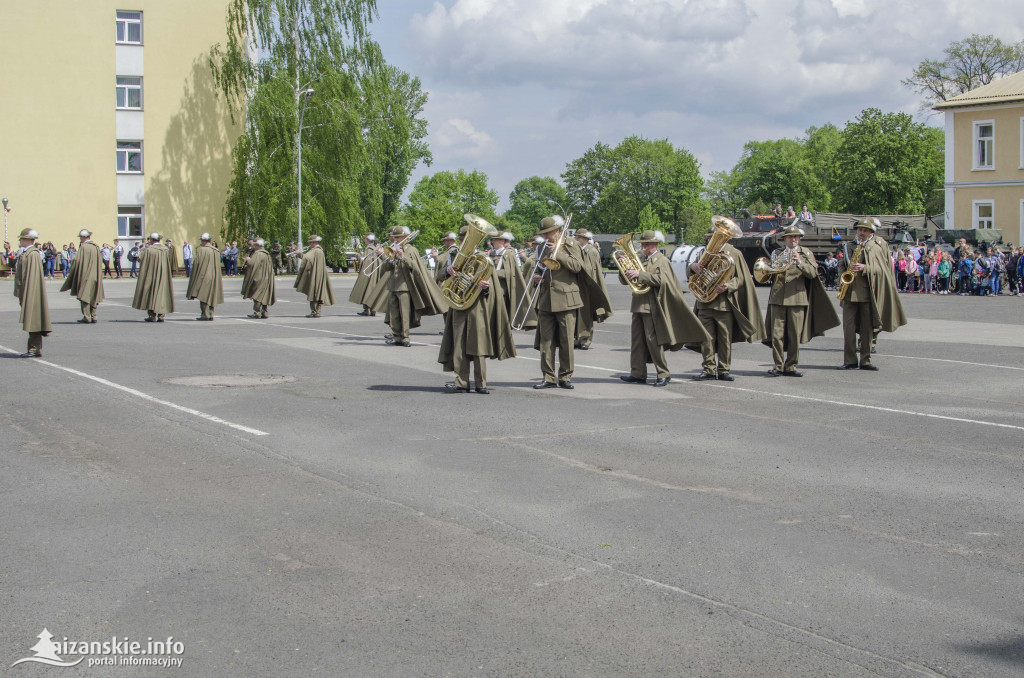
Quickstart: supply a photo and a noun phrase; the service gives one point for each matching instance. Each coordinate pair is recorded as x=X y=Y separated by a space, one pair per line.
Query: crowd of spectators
x=965 y=271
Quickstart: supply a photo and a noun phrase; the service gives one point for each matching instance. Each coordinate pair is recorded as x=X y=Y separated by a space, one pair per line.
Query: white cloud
x=457 y=137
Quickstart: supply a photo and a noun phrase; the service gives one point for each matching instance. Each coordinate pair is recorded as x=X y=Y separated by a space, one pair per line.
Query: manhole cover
x=229 y=380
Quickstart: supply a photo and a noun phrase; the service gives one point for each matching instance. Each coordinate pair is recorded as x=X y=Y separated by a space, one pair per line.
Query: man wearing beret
x=258 y=280
x=85 y=279
x=557 y=301
x=205 y=282
x=798 y=307
x=871 y=303
x=597 y=307
x=153 y=290
x=661 y=317
x=28 y=287
x=313 y=280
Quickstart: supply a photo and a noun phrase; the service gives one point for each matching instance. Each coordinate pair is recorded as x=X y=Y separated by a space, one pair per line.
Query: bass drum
x=682 y=257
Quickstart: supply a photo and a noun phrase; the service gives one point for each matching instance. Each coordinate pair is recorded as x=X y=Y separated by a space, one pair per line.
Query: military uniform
x=258 y=283
x=275 y=253
x=559 y=297
x=205 y=282
x=31 y=294
x=313 y=280
x=85 y=278
x=365 y=283
x=593 y=293
x=872 y=303
x=154 y=292
x=410 y=291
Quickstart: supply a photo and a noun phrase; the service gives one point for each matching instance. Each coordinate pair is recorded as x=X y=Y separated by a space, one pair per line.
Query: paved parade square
x=293 y=497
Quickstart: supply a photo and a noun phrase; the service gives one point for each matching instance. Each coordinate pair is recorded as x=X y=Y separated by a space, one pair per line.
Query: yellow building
x=110 y=119
x=985 y=158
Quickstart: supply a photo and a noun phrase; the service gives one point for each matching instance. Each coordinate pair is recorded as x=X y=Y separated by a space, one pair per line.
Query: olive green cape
x=593 y=291
x=423 y=291
x=205 y=282
x=312 y=279
x=886 y=308
x=364 y=283
x=258 y=283
x=153 y=289
x=488 y=333
x=85 y=278
x=747 y=324
x=31 y=293
x=675 y=323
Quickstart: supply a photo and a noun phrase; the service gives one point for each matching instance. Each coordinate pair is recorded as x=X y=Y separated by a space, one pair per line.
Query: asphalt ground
x=347 y=518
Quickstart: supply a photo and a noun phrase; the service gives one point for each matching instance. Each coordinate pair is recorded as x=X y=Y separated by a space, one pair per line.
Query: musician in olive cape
x=597 y=307
x=205 y=282
x=364 y=283
x=444 y=255
x=31 y=293
x=313 y=280
x=557 y=301
x=798 y=307
x=411 y=293
x=733 y=315
x=872 y=303
x=85 y=277
x=258 y=282
x=475 y=334
x=154 y=292
x=661 y=317
x=506 y=265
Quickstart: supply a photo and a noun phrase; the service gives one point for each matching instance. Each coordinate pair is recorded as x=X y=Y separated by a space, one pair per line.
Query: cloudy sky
x=521 y=87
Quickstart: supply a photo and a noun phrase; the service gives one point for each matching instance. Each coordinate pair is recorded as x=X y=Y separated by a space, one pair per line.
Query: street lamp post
x=305 y=94
x=560 y=208
x=5 y=219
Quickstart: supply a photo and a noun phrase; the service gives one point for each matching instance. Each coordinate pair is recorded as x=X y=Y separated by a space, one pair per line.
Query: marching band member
x=85 y=278
x=557 y=301
x=258 y=283
x=313 y=280
x=31 y=293
x=733 y=315
x=661 y=317
x=365 y=283
x=411 y=292
x=444 y=256
x=153 y=290
x=506 y=266
x=205 y=282
x=597 y=307
x=798 y=307
x=871 y=303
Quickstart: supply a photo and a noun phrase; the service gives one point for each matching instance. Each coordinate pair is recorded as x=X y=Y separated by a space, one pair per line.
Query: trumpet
x=389 y=252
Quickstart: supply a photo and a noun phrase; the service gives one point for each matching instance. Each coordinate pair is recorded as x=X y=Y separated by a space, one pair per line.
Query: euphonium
x=848 y=276
x=625 y=257
x=462 y=289
x=781 y=260
x=718 y=267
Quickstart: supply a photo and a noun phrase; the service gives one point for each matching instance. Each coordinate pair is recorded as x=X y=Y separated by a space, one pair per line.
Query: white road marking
x=870 y=407
x=145 y=396
x=944 y=360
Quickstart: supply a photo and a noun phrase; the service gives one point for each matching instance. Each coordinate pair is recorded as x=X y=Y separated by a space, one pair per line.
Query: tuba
x=718 y=267
x=462 y=289
x=625 y=257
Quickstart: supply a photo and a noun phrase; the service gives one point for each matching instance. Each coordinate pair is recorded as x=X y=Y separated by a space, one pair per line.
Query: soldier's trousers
x=643 y=343
x=584 y=326
x=259 y=309
x=206 y=309
x=556 y=331
x=35 y=343
x=461 y=359
x=857 y=320
x=787 y=322
x=88 y=312
x=314 y=308
x=719 y=326
x=399 y=315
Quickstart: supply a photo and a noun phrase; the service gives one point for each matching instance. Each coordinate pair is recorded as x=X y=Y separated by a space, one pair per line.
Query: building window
x=129 y=93
x=984 y=144
x=129 y=221
x=129 y=28
x=129 y=157
x=983 y=211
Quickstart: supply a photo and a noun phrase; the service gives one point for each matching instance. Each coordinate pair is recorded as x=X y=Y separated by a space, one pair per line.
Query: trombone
x=545 y=262
x=388 y=253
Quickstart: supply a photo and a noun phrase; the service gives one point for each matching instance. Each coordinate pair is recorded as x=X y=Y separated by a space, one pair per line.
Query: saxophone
x=848 y=276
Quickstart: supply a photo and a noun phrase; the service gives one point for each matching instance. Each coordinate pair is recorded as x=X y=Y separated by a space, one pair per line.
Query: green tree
x=361 y=131
x=532 y=199
x=438 y=202
x=770 y=171
x=968 y=64
x=820 y=148
x=585 y=178
x=887 y=163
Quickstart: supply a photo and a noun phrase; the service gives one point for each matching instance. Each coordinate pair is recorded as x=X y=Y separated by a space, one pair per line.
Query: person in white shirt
x=186 y=256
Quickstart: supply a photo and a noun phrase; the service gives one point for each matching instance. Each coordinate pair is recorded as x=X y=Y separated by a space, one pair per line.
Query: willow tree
x=361 y=115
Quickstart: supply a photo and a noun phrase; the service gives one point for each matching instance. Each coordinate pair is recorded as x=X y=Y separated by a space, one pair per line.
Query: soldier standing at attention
x=313 y=280
x=31 y=293
x=275 y=253
x=85 y=279
x=798 y=307
x=154 y=292
x=558 y=299
x=258 y=282
x=205 y=282
x=593 y=292
x=872 y=302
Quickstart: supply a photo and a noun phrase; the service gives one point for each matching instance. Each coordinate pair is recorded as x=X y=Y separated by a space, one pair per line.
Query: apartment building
x=985 y=158
x=110 y=120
